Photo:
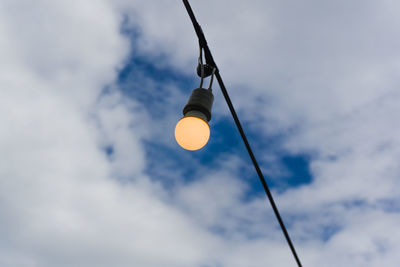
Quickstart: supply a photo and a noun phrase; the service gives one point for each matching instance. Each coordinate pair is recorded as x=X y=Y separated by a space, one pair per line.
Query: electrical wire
x=211 y=80
x=201 y=66
x=210 y=61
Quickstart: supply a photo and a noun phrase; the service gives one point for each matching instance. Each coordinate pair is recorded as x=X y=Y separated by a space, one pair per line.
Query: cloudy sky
x=90 y=173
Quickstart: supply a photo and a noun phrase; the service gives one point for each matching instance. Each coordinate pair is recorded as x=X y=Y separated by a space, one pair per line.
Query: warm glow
x=192 y=133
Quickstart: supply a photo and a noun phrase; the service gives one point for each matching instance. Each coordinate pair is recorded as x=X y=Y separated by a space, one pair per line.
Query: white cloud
x=60 y=201
x=328 y=70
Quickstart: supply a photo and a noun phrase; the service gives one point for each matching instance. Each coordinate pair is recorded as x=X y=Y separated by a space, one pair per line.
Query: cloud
x=323 y=76
x=77 y=186
x=62 y=201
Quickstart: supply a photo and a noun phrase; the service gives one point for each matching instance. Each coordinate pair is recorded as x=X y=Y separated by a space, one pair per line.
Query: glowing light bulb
x=192 y=133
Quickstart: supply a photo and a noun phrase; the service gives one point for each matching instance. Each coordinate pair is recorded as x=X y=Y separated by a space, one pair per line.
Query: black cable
x=201 y=66
x=211 y=80
x=210 y=60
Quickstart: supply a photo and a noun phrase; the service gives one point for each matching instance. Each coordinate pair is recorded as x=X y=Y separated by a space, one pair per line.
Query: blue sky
x=294 y=169
x=90 y=173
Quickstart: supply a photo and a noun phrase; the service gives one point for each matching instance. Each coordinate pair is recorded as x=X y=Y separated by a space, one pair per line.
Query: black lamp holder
x=199 y=104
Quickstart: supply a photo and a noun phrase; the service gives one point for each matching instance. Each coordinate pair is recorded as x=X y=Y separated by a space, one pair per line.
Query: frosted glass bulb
x=192 y=133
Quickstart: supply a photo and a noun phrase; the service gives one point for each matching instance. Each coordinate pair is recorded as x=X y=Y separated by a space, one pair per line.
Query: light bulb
x=192 y=133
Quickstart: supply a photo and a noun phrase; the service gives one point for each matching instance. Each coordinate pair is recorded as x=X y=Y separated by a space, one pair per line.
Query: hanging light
x=192 y=131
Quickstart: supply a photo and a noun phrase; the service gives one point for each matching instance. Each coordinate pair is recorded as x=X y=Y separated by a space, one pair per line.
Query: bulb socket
x=196 y=113
x=199 y=104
